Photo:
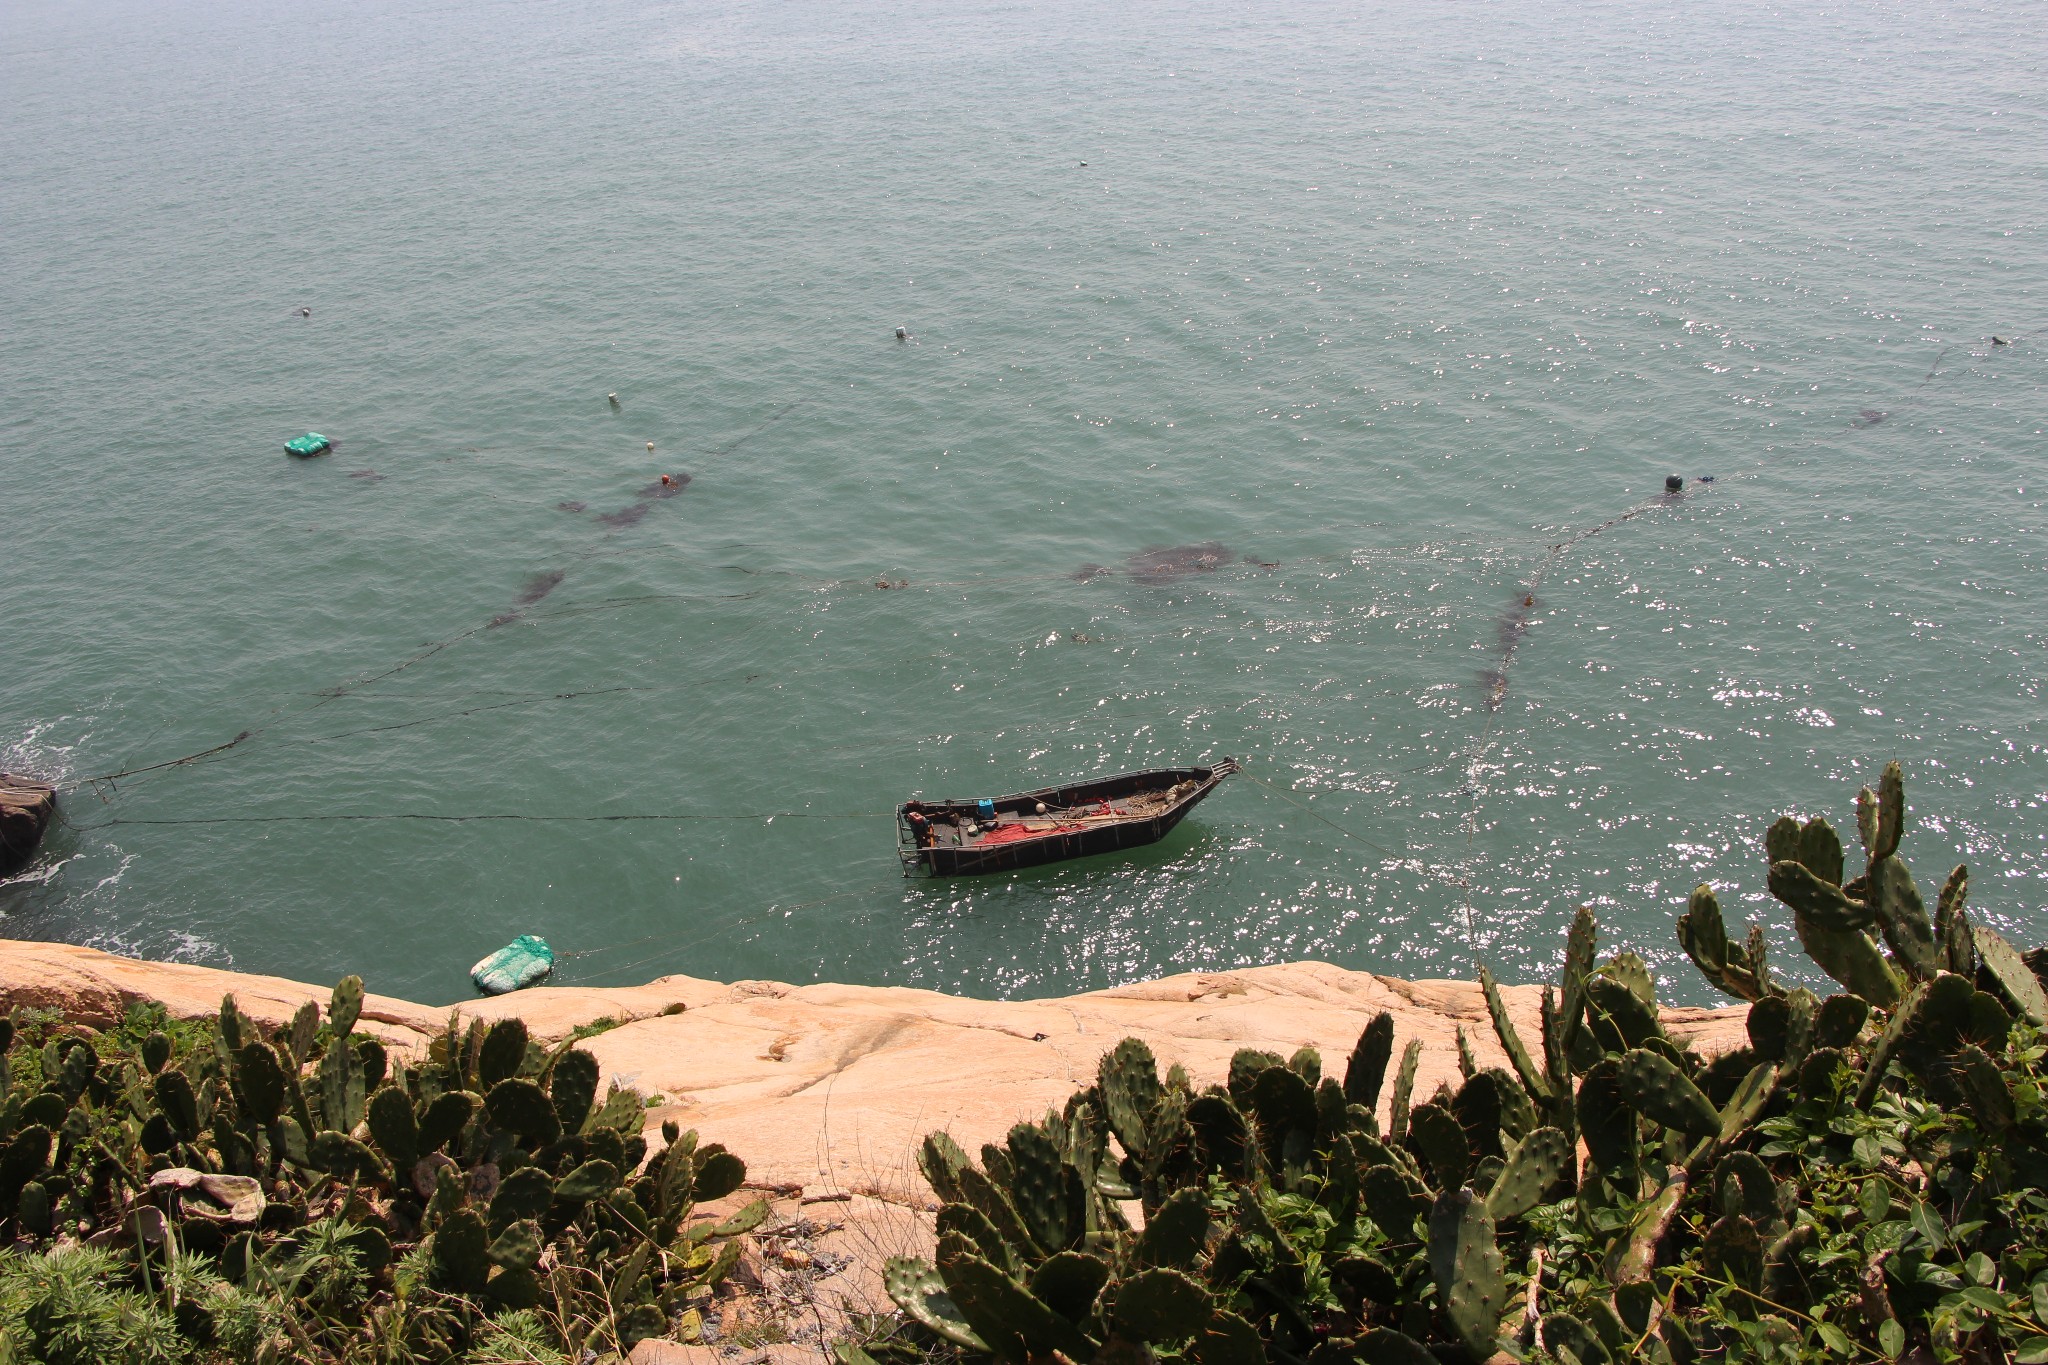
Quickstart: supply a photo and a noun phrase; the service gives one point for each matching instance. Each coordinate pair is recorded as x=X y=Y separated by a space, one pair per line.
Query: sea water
x=1391 y=304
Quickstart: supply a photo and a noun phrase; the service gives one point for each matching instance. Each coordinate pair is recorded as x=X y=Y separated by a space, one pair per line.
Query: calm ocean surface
x=1388 y=301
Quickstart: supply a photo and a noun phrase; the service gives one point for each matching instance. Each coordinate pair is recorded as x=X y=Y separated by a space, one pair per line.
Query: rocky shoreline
x=826 y=1090
x=830 y=1087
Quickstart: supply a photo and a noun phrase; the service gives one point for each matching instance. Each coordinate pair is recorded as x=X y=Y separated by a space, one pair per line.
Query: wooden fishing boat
x=1052 y=824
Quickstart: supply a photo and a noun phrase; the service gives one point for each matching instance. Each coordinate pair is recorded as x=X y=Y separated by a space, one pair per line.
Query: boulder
x=26 y=809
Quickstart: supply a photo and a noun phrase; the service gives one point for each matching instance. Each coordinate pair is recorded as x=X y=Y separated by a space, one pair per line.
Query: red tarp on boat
x=1010 y=834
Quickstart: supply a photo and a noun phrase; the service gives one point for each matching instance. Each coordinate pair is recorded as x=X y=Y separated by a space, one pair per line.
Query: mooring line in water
x=746 y=436
x=1285 y=794
x=1511 y=627
x=772 y=912
x=437 y=818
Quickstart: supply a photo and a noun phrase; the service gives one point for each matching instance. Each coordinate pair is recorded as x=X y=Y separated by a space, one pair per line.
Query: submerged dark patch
x=1088 y=571
x=1508 y=630
x=1165 y=563
x=571 y=506
x=626 y=516
x=664 y=489
x=538 y=586
x=368 y=475
x=1869 y=417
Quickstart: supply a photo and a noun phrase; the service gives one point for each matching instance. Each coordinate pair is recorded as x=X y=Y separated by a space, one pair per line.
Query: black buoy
x=1706 y=478
x=1673 y=483
x=903 y=334
x=2000 y=341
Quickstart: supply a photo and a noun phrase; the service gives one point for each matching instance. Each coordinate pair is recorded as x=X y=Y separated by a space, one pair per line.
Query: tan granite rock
x=830 y=1087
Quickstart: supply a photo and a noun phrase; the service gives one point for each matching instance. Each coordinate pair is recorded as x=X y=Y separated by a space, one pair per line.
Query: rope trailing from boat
x=437 y=818
x=1411 y=856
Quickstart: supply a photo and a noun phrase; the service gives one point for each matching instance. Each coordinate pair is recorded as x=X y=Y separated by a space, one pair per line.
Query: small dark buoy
x=1673 y=483
x=1706 y=478
x=2000 y=341
x=903 y=334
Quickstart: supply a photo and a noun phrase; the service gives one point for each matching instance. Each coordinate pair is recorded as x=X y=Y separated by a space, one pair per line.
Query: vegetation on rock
x=207 y=1192
x=1868 y=1179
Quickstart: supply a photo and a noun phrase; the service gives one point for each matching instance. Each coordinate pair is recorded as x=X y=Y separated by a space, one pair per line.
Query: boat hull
x=967 y=859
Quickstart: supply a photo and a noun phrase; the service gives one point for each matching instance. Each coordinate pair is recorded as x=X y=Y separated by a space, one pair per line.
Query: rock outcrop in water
x=26 y=809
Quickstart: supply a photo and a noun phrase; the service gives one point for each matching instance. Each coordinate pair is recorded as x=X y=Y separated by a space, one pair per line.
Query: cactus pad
x=1902 y=918
x=967 y=1221
x=1069 y=1283
x=345 y=1006
x=1538 y=1162
x=1655 y=1088
x=519 y=1106
x=1526 y=1070
x=518 y=1247
x=1840 y=1020
x=1393 y=1200
x=917 y=1289
x=1006 y=1314
x=1439 y=1139
x=591 y=1180
x=1817 y=901
x=1160 y=1305
x=719 y=1173
x=572 y=1088
x=1849 y=956
x=1467 y=1267
x=1128 y=1078
x=1404 y=1088
x=392 y=1127
x=1227 y=1339
x=1367 y=1068
x=940 y=1160
x=527 y=1193
x=504 y=1048
x=2015 y=979
x=1174 y=1235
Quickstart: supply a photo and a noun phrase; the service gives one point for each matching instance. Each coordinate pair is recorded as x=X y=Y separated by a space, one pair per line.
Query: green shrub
x=74 y=1306
x=304 y=1195
x=1868 y=1177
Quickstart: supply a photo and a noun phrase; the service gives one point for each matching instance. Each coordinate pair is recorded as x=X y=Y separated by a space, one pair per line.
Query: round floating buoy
x=1673 y=483
x=650 y=447
x=612 y=398
x=903 y=334
x=666 y=481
